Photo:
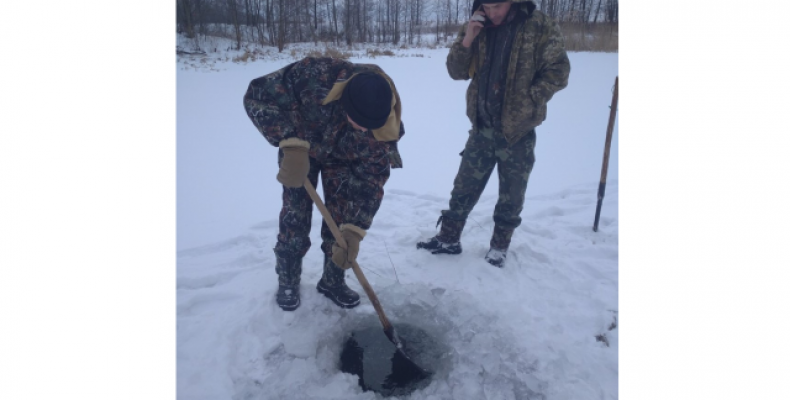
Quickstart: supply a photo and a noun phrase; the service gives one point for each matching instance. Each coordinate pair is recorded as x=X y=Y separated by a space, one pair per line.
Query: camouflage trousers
x=293 y=239
x=514 y=163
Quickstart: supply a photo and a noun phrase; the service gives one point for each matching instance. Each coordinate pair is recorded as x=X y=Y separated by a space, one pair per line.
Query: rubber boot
x=289 y=272
x=288 y=297
x=448 y=241
x=333 y=285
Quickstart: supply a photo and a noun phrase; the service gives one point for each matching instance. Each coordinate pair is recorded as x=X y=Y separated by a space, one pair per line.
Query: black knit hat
x=367 y=99
x=477 y=3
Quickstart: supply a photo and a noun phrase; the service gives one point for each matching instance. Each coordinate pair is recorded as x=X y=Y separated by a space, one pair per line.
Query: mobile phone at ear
x=484 y=19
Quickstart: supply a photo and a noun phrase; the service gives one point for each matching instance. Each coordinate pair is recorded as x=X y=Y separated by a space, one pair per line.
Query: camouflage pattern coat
x=295 y=101
x=538 y=68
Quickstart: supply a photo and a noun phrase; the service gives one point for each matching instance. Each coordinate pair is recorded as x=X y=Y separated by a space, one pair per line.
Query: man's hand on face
x=474 y=27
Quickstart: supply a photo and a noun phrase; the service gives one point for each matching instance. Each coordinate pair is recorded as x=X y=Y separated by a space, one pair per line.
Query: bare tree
x=414 y=13
x=347 y=22
x=281 y=21
x=611 y=10
x=233 y=13
x=257 y=20
x=396 y=21
x=184 y=18
x=334 y=18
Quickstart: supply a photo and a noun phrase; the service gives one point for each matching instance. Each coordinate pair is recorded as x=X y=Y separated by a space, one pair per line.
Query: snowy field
x=526 y=331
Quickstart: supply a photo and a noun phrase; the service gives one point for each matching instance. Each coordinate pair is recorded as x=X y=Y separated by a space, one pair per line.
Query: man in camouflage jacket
x=341 y=120
x=515 y=57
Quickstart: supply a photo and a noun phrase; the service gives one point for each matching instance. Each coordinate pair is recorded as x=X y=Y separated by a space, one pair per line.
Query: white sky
x=89 y=204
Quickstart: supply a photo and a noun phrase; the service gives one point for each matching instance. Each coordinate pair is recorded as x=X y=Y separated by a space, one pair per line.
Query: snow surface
x=526 y=331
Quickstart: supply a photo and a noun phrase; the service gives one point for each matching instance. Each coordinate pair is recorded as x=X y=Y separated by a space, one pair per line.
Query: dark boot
x=333 y=285
x=448 y=241
x=500 y=241
x=288 y=297
x=436 y=246
x=289 y=272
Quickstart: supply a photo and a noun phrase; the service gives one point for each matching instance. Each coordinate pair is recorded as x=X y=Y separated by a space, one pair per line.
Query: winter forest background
x=588 y=25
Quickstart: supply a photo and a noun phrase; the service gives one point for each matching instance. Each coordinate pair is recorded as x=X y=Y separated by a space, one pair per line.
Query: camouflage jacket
x=295 y=101
x=538 y=67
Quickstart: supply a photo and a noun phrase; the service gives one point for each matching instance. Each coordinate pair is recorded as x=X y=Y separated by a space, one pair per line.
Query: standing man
x=341 y=120
x=515 y=57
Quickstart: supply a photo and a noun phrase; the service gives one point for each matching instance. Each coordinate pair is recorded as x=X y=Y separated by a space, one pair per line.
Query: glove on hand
x=343 y=258
x=295 y=164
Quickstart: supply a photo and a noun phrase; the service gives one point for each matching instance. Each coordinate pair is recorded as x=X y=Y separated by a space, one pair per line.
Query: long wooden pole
x=607 y=146
x=389 y=330
x=357 y=271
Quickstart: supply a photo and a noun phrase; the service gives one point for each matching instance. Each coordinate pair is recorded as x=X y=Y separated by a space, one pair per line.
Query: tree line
x=279 y=22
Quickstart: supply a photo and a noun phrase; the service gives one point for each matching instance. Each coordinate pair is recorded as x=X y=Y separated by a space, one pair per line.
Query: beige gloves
x=295 y=164
x=343 y=258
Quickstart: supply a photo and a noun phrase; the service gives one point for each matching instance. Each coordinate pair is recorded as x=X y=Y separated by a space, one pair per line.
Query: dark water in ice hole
x=368 y=354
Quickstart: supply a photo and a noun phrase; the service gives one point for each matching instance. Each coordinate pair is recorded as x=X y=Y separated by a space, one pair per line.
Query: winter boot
x=289 y=272
x=288 y=297
x=333 y=285
x=448 y=241
x=500 y=241
x=496 y=257
x=436 y=246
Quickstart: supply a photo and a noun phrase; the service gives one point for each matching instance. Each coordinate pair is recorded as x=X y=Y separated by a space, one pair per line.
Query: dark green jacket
x=300 y=101
x=538 y=67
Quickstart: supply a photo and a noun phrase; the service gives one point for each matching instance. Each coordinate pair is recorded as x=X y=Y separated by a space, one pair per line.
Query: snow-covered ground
x=526 y=331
